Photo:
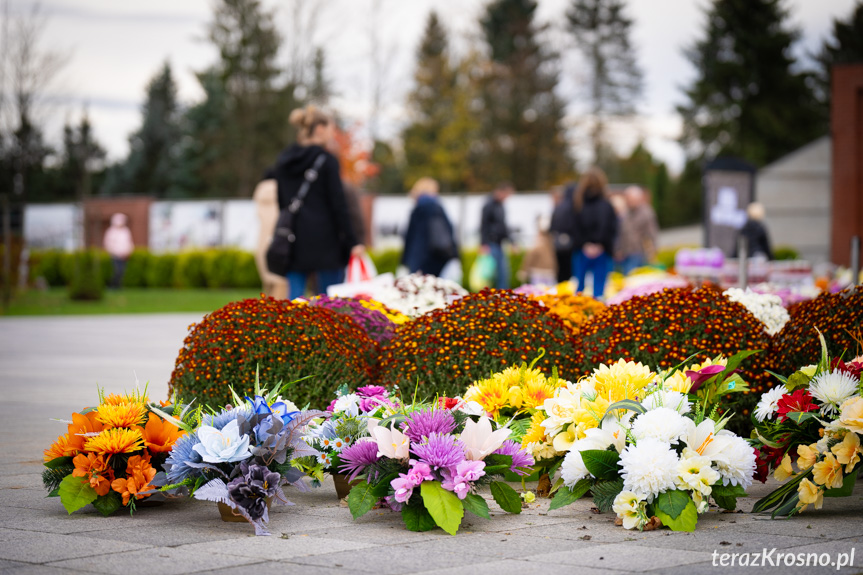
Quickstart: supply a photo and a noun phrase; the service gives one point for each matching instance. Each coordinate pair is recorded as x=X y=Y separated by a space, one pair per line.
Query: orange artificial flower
x=160 y=435
x=122 y=415
x=139 y=474
x=117 y=440
x=81 y=425
x=93 y=467
x=59 y=448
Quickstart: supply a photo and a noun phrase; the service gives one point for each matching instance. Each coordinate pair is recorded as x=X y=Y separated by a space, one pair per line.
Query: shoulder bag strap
x=310 y=176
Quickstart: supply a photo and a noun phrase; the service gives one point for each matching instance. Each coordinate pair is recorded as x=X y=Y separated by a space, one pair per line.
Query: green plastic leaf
x=847 y=486
x=476 y=505
x=782 y=379
x=566 y=496
x=800 y=417
x=685 y=520
x=602 y=464
x=506 y=497
x=54 y=493
x=604 y=494
x=497 y=463
x=726 y=496
x=382 y=486
x=797 y=380
x=732 y=384
x=59 y=462
x=108 y=504
x=672 y=503
x=75 y=493
x=780 y=494
x=444 y=506
x=361 y=499
x=417 y=518
x=629 y=404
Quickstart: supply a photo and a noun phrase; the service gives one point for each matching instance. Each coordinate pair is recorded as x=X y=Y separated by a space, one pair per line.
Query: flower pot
x=343 y=487
x=230 y=515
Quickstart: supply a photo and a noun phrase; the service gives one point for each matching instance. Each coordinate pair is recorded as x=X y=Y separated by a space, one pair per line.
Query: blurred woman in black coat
x=429 y=240
x=325 y=236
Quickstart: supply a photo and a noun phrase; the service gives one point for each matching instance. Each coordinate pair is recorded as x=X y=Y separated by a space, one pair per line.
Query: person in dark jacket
x=325 y=236
x=755 y=232
x=561 y=231
x=594 y=230
x=429 y=240
x=493 y=231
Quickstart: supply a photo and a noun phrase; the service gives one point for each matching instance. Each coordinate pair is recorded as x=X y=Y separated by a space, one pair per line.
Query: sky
x=115 y=48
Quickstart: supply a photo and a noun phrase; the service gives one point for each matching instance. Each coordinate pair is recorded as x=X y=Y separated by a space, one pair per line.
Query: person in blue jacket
x=429 y=240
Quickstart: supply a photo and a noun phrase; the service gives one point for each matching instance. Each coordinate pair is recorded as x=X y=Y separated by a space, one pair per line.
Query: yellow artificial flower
x=810 y=493
x=828 y=472
x=536 y=432
x=121 y=415
x=113 y=441
x=621 y=380
x=851 y=414
x=136 y=397
x=784 y=471
x=848 y=452
x=708 y=362
x=677 y=382
x=563 y=441
x=515 y=396
x=807 y=455
x=535 y=392
x=492 y=394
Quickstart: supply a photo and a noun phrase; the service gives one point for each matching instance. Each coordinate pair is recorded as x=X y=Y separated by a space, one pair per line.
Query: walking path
x=49 y=367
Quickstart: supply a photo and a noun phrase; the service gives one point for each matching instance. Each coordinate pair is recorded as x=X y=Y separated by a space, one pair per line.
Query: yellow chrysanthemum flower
x=535 y=392
x=536 y=432
x=114 y=441
x=394 y=316
x=137 y=397
x=492 y=394
x=121 y=415
x=621 y=380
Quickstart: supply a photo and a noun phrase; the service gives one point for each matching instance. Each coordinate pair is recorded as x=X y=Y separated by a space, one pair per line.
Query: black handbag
x=281 y=251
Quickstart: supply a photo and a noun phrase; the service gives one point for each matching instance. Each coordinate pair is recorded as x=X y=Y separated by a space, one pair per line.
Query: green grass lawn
x=55 y=301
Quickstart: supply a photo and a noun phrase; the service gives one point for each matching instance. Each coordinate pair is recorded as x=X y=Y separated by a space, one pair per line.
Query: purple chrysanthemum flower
x=439 y=450
x=522 y=461
x=423 y=423
x=357 y=457
x=371 y=391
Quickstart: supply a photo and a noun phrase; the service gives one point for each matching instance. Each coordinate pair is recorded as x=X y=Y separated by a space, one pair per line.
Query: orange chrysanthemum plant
x=111 y=456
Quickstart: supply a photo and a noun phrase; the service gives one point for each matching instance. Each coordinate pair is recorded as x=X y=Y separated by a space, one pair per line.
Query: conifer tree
x=601 y=30
x=747 y=100
x=844 y=47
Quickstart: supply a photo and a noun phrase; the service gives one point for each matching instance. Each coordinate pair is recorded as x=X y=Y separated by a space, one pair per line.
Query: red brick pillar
x=846 y=127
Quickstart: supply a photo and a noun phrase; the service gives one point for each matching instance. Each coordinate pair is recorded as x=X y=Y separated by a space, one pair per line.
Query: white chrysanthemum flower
x=672 y=399
x=736 y=461
x=649 y=468
x=769 y=403
x=541 y=450
x=629 y=507
x=572 y=470
x=767 y=308
x=662 y=423
x=831 y=389
x=695 y=473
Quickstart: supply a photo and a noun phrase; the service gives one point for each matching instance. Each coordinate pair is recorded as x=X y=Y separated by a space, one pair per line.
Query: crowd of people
x=590 y=232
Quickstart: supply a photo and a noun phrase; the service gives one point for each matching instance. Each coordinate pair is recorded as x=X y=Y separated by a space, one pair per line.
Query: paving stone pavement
x=50 y=367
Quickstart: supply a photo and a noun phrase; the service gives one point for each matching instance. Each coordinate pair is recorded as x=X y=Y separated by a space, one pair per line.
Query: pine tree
x=437 y=141
x=152 y=166
x=81 y=153
x=243 y=123
x=747 y=100
x=845 y=47
x=522 y=136
x=601 y=30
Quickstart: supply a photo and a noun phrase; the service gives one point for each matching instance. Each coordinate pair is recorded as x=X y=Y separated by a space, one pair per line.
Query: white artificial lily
x=703 y=439
x=479 y=440
x=392 y=443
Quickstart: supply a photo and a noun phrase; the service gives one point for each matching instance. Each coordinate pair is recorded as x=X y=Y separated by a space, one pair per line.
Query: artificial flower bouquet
x=112 y=456
x=429 y=461
x=241 y=456
x=347 y=424
x=647 y=445
x=814 y=419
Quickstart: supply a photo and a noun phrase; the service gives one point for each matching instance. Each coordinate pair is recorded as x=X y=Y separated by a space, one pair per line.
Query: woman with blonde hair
x=429 y=240
x=325 y=238
x=594 y=230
